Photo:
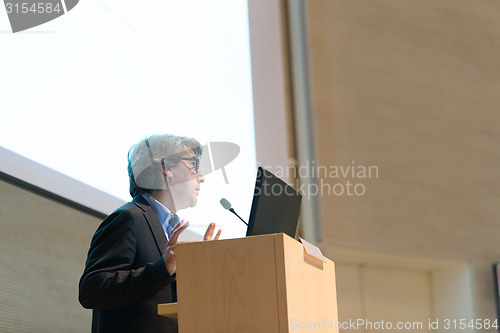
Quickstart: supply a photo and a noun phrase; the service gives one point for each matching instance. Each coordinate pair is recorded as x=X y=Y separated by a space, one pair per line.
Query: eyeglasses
x=191 y=167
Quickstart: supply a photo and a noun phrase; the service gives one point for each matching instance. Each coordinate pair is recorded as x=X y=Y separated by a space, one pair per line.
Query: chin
x=194 y=202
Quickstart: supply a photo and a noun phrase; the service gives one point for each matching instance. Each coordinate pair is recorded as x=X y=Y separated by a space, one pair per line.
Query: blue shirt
x=167 y=219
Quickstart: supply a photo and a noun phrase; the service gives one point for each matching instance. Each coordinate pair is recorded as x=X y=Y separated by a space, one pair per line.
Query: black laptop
x=275 y=206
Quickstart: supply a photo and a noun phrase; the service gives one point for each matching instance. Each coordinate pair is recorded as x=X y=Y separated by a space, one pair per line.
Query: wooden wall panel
x=412 y=87
x=43 y=248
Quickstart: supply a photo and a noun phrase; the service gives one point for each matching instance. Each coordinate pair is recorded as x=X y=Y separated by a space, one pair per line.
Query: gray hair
x=147 y=158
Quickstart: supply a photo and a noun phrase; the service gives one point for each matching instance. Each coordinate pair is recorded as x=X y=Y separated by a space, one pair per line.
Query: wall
x=412 y=87
x=43 y=248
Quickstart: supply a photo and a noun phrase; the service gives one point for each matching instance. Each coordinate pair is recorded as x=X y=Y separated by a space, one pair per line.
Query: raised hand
x=210 y=232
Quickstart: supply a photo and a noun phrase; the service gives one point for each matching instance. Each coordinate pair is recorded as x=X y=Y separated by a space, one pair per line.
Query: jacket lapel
x=153 y=222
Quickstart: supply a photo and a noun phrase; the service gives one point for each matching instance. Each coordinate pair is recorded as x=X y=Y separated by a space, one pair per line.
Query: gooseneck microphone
x=227 y=205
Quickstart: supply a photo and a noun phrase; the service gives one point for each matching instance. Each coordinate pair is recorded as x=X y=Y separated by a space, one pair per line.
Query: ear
x=168 y=173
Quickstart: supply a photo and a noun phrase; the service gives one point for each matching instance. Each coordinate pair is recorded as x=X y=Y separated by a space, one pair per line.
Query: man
x=130 y=267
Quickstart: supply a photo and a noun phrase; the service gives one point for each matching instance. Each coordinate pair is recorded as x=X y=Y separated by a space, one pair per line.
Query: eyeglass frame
x=196 y=166
x=193 y=159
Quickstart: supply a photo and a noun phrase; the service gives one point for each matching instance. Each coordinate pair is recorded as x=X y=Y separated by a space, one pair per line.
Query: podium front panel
x=227 y=286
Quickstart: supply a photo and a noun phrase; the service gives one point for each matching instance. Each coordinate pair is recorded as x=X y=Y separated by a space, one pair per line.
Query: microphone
x=227 y=205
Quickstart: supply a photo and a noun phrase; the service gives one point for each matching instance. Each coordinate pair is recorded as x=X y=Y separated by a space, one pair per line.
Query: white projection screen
x=78 y=91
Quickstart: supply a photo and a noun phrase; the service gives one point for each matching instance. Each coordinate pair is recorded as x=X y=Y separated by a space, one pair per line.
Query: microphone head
x=226 y=204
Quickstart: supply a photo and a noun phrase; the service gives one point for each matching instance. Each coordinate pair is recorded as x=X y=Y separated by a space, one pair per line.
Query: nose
x=201 y=178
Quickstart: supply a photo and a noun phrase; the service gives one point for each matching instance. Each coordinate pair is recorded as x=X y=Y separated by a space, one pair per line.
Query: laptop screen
x=275 y=206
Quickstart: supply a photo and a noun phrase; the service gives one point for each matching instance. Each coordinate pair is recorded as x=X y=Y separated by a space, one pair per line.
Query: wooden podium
x=255 y=284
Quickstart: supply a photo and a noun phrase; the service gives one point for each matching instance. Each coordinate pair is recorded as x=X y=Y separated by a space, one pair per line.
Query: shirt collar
x=162 y=212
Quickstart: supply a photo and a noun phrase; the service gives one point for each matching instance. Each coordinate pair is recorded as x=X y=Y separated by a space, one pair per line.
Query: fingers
x=179 y=225
x=210 y=232
x=177 y=231
x=218 y=234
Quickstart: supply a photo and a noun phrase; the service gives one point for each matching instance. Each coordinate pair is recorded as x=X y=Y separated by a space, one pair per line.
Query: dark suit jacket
x=125 y=277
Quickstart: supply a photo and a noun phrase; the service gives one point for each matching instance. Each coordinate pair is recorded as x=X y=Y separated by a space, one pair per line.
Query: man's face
x=185 y=182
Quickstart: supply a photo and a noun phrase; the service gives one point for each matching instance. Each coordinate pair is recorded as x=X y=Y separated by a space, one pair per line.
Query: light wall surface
x=411 y=87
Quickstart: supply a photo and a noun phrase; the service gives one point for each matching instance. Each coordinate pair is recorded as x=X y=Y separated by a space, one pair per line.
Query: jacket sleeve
x=109 y=279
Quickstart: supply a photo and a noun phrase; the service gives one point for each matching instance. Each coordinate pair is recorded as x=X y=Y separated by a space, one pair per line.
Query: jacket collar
x=153 y=222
